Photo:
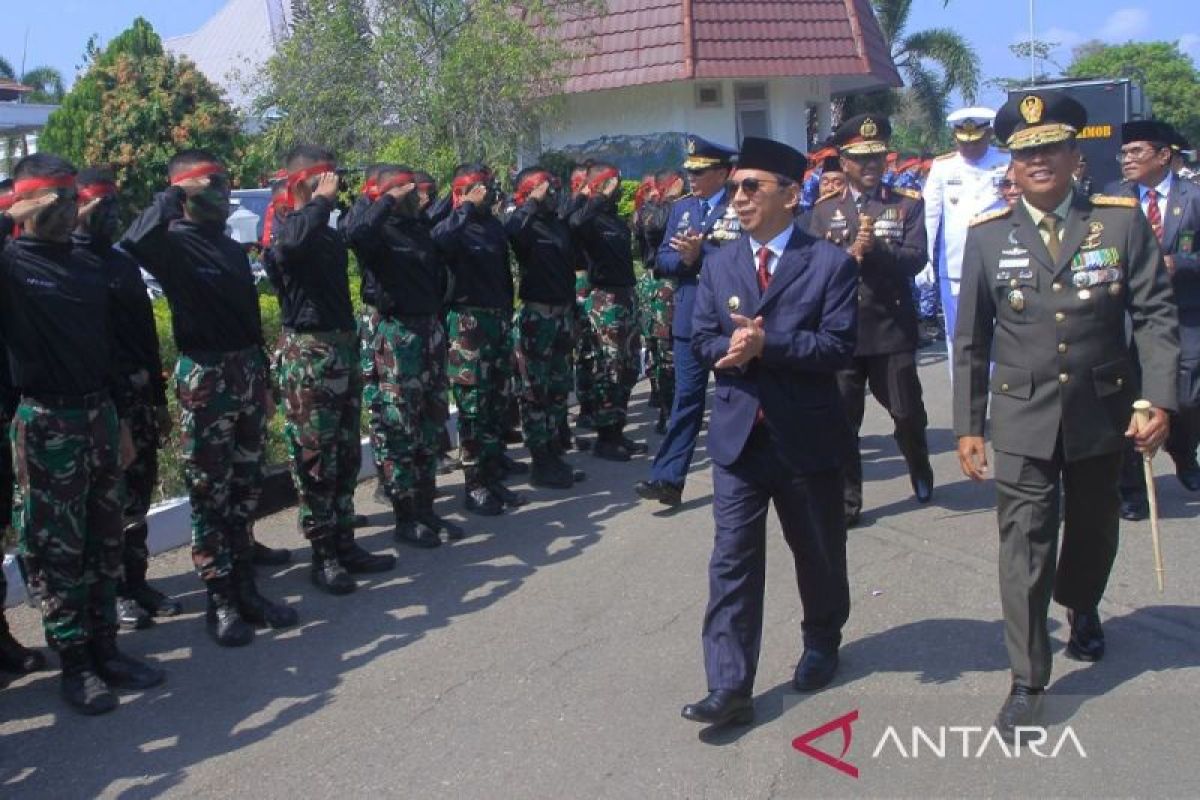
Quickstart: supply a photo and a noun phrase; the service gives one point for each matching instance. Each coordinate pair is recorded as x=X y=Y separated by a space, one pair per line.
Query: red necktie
x=1154 y=214
x=764 y=274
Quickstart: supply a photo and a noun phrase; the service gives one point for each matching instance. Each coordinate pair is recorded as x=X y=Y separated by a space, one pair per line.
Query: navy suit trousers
x=674 y=455
x=814 y=526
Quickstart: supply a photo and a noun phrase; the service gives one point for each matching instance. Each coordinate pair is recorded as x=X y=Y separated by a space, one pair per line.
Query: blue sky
x=58 y=29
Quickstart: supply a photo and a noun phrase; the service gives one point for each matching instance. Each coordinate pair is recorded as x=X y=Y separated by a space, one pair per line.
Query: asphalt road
x=548 y=655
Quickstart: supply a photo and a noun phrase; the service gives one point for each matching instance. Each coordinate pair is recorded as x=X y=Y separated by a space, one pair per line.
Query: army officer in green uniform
x=1046 y=288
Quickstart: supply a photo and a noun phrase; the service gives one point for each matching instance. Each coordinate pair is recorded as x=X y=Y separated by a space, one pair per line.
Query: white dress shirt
x=1164 y=191
x=776 y=246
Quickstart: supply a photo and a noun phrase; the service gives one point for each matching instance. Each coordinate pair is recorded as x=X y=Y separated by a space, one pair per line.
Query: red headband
x=598 y=181
x=370 y=189
x=93 y=191
x=529 y=183
x=398 y=179
x=204 y=170
x=27 y=185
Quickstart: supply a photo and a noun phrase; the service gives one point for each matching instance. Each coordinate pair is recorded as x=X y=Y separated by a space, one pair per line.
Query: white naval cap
x=970 y=124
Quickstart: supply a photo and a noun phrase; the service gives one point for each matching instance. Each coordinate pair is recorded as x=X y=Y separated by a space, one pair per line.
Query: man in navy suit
x=699 y=225
x=1172 y=206
x=776 y=316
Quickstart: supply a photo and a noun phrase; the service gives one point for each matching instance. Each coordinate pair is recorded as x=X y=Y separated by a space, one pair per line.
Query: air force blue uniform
x=790 y=453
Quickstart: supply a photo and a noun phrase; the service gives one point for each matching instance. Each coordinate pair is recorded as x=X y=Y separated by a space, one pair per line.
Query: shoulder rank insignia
x=909 y=193
x=1111 y=200
x=945 y=156
x=990 y=215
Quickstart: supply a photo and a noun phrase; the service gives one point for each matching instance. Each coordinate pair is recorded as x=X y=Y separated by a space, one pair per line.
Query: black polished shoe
x=721 y=707
x=82 y=687
x=1022 y=709
x=15 y=657
x=1189 y=476
x=327 y=574
x=815 y=670
x=410 y=529
x=121 y=671
x=155 y=602
x=1135 y=509
x=480 y=500
x=131 y=616
x=1087 y=637
x=666 y=493
x=225 y=625
x=922 y=483
x=264 y=556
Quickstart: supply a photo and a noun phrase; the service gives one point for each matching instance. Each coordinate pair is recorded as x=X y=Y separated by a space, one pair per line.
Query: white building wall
x=671 y=107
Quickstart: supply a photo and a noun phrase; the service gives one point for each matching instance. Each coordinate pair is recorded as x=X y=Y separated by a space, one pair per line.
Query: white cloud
x=1125 y=24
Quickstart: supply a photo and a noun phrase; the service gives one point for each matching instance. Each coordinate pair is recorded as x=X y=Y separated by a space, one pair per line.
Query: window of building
x=752 y=111
x=708 y=95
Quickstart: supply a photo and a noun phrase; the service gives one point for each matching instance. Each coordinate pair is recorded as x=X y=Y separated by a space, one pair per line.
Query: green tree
x=47 y=85
x=934 y=63
x=1167 y=75
x=134 y=108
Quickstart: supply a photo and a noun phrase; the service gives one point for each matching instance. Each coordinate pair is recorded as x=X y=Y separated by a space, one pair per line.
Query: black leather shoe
x=1136 y=509
x=721 y=707
x=328 y=575
x=666 y=493
x=1087 y=637
x=121 y=671
x=155 y=602
x=131 y=616
x=1189 y=476
x=15 y=657
x=264 y=556
x=1022 y=709
x=815 y=670
x=922 y=483
x=225 y=625
x=480 y=500
x=82 y=687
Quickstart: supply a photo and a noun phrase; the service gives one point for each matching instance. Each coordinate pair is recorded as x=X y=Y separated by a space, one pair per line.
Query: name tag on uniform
x=1014 y=263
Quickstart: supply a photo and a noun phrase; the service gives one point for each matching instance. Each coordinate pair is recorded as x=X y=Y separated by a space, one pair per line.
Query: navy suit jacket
x=669 y=265
x=810 y=316
x=1181 y=236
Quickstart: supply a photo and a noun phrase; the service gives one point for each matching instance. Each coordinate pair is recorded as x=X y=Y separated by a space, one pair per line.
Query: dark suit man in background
x=1172 y=207
x=698 y=226
x=775 y=317
x=1047 y=286
x=889 y=251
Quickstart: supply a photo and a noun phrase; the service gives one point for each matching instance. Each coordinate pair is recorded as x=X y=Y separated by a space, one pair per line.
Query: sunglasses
x=753 y=185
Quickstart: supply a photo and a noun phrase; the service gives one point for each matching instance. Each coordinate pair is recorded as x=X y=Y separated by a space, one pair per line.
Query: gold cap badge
x=868 y=129
x=691 y=146
x=1032 y=109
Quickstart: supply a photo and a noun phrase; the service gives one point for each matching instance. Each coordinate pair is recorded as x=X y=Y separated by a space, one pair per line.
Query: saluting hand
x=539 y=193
x=399 y=192
x=746 y=344
x=1149 y=436
x=87 y=208
x=24 y=210
x=477 y=194
x=972 y=457
x=327 y=186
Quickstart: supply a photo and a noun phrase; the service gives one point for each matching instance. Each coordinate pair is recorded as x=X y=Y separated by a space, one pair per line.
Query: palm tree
x=48 y=87
x=934 y=63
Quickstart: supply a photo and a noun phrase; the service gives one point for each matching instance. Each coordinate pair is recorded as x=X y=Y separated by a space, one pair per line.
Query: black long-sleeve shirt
x=56 y=314
x=606 y=242
x=650 y=227
x=205 y=274
x=475 y=247
x=367 y=291
x=399 y=252
x=311 y=264
x=132 y=313
x=545 y=253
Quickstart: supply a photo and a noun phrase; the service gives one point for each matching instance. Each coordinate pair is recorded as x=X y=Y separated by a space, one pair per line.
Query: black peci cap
x=772 y=156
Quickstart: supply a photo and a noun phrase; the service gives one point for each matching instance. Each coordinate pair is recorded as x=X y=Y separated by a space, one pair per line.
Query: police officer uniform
x=885 y=355
x=955 y=192
x=715 y=219
x=1041 y=328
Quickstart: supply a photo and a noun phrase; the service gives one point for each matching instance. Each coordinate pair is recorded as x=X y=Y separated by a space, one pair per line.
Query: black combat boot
x=510 y=466
x=327 y=572
x=410 y=529
x=358 y=561
x=556 y=453
x=134 y=587
x=478 y=497
x=82 y=687
x=549 y=472
x=15 y=657
x=265 y=556
x=225 y=624
x=130 y=615
x=252 y=606
x=426 y=491
x=119 y=670
x=610 y=445
x=493 y=472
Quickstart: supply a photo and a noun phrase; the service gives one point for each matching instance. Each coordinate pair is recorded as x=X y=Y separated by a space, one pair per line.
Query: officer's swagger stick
x=1141 y=412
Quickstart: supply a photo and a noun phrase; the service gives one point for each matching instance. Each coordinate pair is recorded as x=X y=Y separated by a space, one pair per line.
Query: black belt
x=65 y=402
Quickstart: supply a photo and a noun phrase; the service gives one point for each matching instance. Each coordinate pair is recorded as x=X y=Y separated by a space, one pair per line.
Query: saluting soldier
x=1047 y=285
x=884 y=230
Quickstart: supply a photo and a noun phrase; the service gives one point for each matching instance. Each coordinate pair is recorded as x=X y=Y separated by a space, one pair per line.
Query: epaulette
x=827 y=196
x=944 y=156
x=990 y=215
x=1112 y=200
x=909 y=193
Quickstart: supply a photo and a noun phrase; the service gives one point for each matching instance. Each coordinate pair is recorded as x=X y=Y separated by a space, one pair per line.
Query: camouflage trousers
x=223 y=400
x=367 y=324
x=478 y=365
x=140 y=477
x=612 y=316
x=320 y=385
x=410 y=359
x=67 y=513
x=7 y=409
x=585 y=347
x=542 y=341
